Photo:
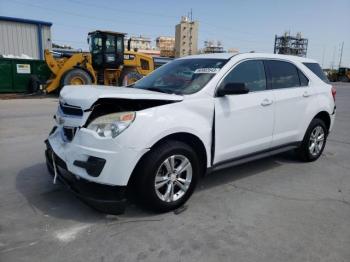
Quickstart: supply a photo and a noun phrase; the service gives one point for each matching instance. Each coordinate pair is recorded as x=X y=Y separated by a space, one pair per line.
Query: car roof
x=251 y=55
x=212 y=55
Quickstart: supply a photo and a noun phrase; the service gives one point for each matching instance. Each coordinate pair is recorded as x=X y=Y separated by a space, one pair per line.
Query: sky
x=246 y=25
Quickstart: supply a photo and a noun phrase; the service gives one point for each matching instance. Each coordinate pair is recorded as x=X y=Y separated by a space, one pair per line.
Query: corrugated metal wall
x=46 y=37
x=21 y=38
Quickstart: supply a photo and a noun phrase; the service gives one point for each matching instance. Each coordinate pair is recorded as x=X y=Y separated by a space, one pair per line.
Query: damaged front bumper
x=105 y=198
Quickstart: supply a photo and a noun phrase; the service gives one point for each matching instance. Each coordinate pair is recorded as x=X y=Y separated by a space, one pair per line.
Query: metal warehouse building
x=23 y=36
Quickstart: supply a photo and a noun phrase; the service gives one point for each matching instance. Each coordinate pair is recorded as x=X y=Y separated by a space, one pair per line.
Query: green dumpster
x=16 y=75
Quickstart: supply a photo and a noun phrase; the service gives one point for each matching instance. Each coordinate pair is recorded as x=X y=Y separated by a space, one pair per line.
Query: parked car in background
x=154 y=139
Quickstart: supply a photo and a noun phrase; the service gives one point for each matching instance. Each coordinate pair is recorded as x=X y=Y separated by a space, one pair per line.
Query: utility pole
x=324 y=50
x=333 y=58
x=341 y=53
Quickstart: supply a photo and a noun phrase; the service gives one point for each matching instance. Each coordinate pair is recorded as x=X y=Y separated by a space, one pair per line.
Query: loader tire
x=128 y=77
x=76 y=77
x=344 y=79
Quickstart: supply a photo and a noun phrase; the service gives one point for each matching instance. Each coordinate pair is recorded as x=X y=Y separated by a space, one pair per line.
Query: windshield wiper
x=158 y=90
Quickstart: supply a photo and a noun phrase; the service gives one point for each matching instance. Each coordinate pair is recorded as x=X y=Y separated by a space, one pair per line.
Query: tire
x=76 y=76
x=314 y=141
x=128 y=77
x=154 y=166
x=34 y=84
x=344 y=79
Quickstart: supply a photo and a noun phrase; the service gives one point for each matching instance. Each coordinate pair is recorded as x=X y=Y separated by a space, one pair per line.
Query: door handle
x=266 y=102
x=306 y=94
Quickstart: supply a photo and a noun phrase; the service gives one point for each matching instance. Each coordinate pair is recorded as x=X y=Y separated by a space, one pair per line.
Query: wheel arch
x=325 y=117
x=190 y=139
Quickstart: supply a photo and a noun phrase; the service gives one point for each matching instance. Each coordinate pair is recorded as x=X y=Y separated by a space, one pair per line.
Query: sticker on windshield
x=207 y=70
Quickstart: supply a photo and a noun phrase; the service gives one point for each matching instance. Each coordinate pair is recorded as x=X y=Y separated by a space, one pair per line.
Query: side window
x=303 y=79
x=252 y=73
x=282 y=74
x=144 y=64
x=110 y=44
x=317 y=70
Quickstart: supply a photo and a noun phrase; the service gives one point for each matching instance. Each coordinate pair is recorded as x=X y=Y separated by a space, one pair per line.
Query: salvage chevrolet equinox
x=153 y=140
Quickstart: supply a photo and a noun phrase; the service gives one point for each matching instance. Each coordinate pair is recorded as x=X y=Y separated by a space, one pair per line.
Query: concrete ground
x=274 y=209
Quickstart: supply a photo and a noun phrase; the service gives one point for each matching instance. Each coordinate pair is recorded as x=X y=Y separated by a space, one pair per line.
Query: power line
x=341 y=53
x=217 y=27
x=122 y=10
x=88 y=28
x=86 y=16
x=209 y=32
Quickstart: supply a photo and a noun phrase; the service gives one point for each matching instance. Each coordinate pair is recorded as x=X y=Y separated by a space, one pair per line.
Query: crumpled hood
x=85 y=96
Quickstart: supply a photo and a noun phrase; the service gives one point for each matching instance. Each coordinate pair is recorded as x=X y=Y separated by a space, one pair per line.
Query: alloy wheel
x=316 y=140
x=173 y=178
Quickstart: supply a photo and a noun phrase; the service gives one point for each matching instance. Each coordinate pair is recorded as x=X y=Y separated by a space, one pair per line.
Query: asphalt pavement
x=274 y=209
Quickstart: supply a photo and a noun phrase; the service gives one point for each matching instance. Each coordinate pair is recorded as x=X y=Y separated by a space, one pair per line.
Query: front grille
x=69 y=132
x=71 y=110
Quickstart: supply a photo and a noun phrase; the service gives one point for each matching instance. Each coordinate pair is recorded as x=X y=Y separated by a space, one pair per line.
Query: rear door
x=244 y=123
x=291 y=92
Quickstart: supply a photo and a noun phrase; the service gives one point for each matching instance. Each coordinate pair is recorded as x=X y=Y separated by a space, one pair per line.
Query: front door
x=244 y=123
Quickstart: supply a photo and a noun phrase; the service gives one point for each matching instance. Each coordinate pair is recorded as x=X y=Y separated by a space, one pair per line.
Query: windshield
x=183 y=76
x=95 y=44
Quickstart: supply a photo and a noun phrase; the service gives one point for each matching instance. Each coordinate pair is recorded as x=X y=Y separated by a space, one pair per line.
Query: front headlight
x=112 y=125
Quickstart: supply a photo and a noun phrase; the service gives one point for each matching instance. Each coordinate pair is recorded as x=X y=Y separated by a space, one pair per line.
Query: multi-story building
x=213 y=47
x=166 y=45
x=233 y=50
x=139 y=43
x=186 y=37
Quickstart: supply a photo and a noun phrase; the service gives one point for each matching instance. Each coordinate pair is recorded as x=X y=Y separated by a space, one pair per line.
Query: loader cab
x=107 y=49
x=343 y=70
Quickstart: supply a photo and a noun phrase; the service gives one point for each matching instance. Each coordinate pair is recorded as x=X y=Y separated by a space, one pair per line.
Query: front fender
x=192 y=116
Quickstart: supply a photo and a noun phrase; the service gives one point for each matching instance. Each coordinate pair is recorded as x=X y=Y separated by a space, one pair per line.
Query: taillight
x=334 y=92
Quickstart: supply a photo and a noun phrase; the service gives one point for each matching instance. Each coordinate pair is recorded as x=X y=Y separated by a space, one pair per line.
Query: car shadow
x=232 y=174
x=35 y=184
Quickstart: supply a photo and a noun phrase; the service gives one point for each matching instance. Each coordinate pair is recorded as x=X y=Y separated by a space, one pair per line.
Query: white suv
x=154 y=139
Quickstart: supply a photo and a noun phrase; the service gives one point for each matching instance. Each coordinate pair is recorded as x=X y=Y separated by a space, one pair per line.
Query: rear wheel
x=167 y=176
x=76 y=77
x=344 y=79
x=314 y=141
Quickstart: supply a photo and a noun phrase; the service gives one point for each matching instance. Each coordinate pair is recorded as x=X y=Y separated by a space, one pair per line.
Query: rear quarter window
x=317 y=70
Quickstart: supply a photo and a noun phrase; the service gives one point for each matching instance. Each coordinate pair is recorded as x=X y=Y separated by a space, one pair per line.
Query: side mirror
x=232 y=89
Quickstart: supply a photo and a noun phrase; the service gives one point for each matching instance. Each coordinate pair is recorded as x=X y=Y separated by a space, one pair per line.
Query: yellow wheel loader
x=107 y=63
x=342 y=75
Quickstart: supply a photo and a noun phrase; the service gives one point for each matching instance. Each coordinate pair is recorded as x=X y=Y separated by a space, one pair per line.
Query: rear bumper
x=332 y=116
x=105 y=198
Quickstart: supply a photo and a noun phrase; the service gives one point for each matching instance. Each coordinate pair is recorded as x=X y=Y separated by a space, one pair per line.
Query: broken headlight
x=112 y=125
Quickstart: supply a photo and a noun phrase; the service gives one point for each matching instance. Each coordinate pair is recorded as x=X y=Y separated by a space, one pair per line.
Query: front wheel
x=76 y=76
x=314 y=141
x=129 y=76
x=167 y=176
x=344 y=79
